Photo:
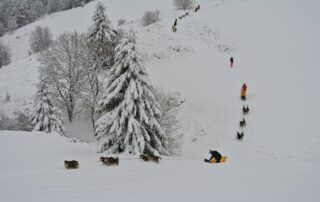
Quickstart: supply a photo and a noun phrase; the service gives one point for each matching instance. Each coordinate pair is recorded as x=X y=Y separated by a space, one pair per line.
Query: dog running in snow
x=108 y=161
x=150 y=157
x=245 y=109
x=71 y=164
x=242 y=123
x=240 y=135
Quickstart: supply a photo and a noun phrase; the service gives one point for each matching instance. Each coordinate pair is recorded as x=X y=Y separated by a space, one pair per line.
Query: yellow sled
x=223 y=159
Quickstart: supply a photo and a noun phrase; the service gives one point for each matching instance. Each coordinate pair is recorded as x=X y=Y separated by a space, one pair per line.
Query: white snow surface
x=275 y=45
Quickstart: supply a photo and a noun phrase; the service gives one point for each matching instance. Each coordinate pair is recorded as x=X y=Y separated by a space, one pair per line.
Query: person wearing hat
x=214 y=155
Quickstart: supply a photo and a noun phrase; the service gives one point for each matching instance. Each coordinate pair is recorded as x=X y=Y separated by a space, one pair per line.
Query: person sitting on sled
x=214 y=155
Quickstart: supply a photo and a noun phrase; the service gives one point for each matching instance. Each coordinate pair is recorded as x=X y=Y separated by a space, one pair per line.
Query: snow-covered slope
x=275 y=45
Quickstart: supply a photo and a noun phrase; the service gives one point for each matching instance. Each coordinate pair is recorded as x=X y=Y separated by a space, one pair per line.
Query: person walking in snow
x=214 y=155
x=244 y=91
x=231 y=62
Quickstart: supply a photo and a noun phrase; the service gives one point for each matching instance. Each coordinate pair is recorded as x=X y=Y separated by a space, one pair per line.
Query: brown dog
x=144 y=157
x=71 y=164
x=108 y=161
x=154 y=158
x=150 y=157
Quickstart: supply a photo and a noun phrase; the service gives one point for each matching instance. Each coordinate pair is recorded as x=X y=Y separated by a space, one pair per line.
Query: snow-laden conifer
x=45 y=116
x=130 y=121
x=102 y=38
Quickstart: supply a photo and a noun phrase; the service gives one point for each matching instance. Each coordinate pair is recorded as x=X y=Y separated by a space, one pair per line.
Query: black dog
x=245 y=109
x=240 y=135
x=197 y=8
x=175 y=22
x=242 y=123
x=71 y=164
x=109 y=161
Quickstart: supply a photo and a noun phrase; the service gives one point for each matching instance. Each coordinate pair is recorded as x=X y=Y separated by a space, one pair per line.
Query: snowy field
x=275 y=45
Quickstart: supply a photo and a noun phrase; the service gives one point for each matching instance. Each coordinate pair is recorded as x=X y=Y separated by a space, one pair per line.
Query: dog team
x=110 y=161
x=245 y=109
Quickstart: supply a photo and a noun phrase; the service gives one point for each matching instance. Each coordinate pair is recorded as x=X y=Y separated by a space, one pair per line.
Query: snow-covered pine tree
x=102 y=38
x=130 y=123
x=45 y=116
x=100 y=46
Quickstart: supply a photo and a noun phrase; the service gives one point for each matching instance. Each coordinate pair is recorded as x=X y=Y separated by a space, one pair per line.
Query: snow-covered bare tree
x=183 y=4
x=121 y=22
x=150 y=17
x=130 y=122
x=41 y=39
x=45 y=116
x=93 y=79
x=5 y=54
x=63 y=69
x=170 y=105
x=103 y=38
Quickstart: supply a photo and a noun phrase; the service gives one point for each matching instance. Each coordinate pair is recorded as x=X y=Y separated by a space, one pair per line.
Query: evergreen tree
x=100 y=48
x=45 y=116
x=102 y=37
x=131 y=120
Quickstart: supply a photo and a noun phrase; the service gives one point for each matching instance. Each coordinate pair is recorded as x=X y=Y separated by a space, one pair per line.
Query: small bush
x=5 y=122
x=183 y=4
x=150 y=17
x=5 y=54
x=21 y=122
x=121 y=22
x=41 y=39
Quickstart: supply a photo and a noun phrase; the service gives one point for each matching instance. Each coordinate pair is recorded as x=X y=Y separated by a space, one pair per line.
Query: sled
x=223 y=160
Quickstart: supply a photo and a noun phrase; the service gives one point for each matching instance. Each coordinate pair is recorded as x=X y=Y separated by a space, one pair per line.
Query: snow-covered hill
x=275 y=45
